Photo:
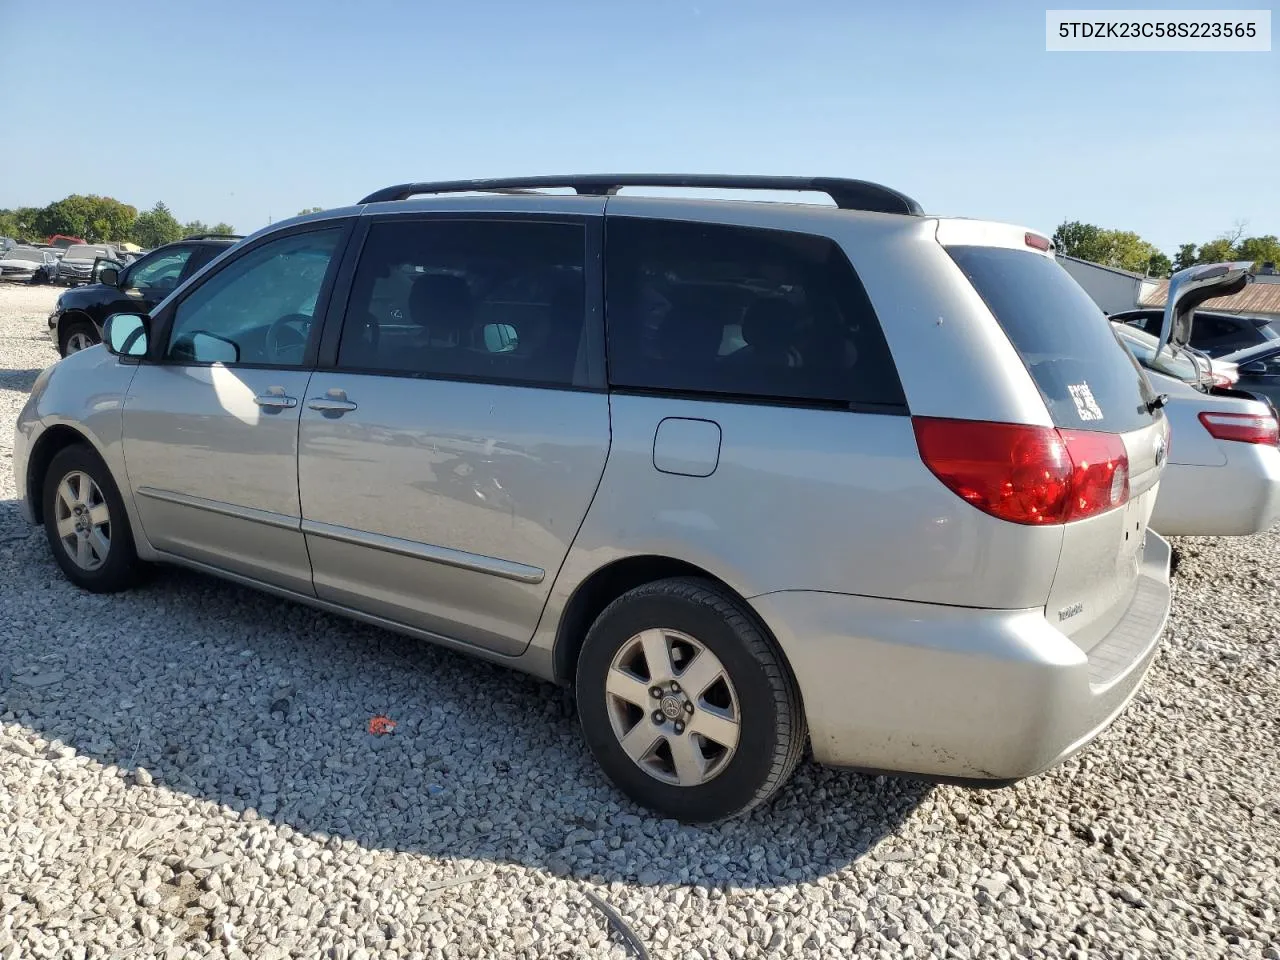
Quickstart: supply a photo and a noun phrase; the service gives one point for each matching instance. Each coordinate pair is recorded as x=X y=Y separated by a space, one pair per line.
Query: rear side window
x=742 y=313
x=1088 y=380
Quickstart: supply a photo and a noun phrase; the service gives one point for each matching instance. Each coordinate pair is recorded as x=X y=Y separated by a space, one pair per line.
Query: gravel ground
x=185 y=772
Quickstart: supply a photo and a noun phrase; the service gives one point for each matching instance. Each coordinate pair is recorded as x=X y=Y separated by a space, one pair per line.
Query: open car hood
x=1193 y=286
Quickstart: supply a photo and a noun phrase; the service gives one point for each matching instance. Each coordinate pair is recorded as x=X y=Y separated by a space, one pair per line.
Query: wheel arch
x=73 y=316
x=50 y=443
x=605 y=584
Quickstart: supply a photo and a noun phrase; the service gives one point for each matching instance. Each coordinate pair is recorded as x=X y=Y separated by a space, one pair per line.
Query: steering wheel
x=287 y=338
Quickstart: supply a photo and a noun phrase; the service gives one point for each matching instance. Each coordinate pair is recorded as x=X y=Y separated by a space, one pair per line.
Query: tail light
x=1026 y=474
x=1221 y=379
x=1242 y=427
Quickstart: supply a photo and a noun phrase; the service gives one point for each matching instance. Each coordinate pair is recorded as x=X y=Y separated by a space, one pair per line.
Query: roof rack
x=215 y=236
x=847 y=194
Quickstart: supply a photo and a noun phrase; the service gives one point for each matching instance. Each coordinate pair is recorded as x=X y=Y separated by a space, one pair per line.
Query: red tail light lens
x=1026 y=474
x=1242 y=427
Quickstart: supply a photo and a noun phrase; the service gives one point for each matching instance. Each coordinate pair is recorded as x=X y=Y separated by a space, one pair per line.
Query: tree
x=1159 y=265
x=223 y=228
x=304 y=212
x=1217 y=251
x=1080 y=240
x=1259 y=249
x=96 y=219
x=195 y=227
x=1188 y=256
x=156 y=227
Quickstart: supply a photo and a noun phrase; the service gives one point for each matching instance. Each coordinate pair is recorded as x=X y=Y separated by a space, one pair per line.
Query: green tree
x=9 y=224
x=156 y=227
x=1188 y=256
x=1259 y=249
x=1159 y=265
x=223 y=228
x=194 y=228
x=1080 y=240
x=305 y=211
x=1216 y=251
x=96 y=219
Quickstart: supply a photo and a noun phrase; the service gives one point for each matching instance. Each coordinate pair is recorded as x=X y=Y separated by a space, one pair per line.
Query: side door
x=1262 y=375
x=148 y=281
x=454 y=434
x=211 y=419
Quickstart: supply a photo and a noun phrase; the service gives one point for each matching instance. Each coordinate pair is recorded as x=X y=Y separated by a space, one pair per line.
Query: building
x=1111 y=288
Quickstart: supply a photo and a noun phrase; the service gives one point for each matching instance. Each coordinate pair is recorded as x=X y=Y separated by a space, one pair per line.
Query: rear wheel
x=79 y=335
x=86 y=523
x=686 y=703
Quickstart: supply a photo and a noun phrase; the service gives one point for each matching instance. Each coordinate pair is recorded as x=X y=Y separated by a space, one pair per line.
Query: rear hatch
x=1091 y=386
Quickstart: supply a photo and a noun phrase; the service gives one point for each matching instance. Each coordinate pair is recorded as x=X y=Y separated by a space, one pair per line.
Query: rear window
x=742 y=313
x=1088 y=380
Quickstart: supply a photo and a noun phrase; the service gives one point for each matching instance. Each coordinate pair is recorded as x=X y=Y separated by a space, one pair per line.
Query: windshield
x=25 y=253
x=1171 y=362
x=86 y=253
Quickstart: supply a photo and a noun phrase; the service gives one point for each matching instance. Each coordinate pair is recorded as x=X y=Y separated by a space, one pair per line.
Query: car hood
x=24 y=264
x=89 y=295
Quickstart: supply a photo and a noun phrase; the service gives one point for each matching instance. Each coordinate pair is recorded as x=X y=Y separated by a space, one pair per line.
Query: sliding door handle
x=333 y=402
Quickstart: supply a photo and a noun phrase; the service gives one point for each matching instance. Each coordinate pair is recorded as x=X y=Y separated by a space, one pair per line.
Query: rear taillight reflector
x=1026 y=474
x=1037 y=241
x=1242 y=427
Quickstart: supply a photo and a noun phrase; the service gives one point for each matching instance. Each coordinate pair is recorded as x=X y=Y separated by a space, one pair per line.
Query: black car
x=1259 y=370
x=78 y=316
x=1216 y=334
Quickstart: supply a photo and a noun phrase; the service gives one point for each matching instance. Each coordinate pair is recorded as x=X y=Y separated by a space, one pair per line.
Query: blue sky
x=241 y=111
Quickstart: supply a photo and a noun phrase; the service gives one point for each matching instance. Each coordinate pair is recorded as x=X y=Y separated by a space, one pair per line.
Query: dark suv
x=78 y=316
x=1216 y=334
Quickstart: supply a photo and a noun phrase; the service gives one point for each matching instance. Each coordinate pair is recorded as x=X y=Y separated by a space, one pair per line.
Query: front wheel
x=685 y=702
x=79 y=335
x=86 y=523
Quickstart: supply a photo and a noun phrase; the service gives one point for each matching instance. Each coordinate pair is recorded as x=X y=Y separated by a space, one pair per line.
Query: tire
x=120 y=568
x=686 y=617
x=78 y=335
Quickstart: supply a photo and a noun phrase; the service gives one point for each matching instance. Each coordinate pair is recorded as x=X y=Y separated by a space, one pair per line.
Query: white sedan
x=1223 y=477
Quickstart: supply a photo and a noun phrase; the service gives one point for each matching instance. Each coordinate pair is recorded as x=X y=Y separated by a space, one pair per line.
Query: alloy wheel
x=83 y=520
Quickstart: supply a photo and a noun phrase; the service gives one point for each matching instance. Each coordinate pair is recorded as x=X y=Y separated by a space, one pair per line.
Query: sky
x=246 y=112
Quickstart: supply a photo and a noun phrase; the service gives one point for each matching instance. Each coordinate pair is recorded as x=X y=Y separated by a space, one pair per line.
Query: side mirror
x=110 y=276
x=125 y=334
x=1255 y=369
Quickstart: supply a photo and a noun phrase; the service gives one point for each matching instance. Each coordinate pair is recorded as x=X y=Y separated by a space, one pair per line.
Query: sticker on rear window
x=1086 y=406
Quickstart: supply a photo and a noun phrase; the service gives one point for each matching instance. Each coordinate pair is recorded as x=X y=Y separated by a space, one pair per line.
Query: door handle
x=275 y=399
x=333 y=402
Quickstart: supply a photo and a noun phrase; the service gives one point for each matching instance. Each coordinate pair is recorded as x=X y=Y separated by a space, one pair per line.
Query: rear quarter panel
x=806 y=499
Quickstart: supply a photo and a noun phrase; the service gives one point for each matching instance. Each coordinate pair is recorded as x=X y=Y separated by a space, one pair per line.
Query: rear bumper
x=1239 y=498
x=955 y=692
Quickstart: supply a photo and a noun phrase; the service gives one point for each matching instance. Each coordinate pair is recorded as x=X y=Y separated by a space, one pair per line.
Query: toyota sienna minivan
x=749 y=476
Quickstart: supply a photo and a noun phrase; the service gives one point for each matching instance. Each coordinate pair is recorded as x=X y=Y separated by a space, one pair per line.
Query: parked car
x=1223 y=477
x=1182 y=363
x=24 y=263
x=1259 y=369
x=1215 y=334
x=853 y=475
x=76 y=265
x=77 y=317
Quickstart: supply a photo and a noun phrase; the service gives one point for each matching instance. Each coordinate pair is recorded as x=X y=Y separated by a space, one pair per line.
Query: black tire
x=772 y=729
x=121 y=569
x=68 y=330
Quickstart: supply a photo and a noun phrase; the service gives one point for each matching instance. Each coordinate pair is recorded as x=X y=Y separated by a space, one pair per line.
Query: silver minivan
x=747 y=475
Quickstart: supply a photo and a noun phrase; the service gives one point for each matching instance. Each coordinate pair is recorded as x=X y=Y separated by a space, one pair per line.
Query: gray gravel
x=185 y=772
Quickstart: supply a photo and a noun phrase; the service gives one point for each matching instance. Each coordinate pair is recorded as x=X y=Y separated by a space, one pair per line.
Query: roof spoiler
x=847 y=194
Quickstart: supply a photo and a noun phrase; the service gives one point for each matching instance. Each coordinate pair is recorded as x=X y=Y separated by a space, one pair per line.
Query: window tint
x=1087 y=379
x=158 y=275
x=740 y=312
x=499 y=300
x=259 y=308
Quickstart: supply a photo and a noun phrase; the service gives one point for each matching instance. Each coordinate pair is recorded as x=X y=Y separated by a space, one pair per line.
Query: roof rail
x=847 y=194
x=215 y=236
